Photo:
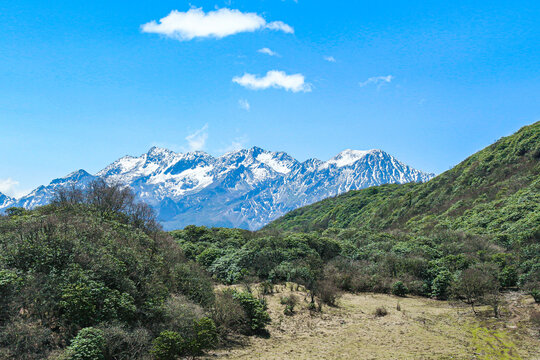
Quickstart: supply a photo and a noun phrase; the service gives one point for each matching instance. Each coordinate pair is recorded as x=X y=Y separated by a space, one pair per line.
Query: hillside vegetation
x=495 y=192
x=476 y=226
x=92 y=276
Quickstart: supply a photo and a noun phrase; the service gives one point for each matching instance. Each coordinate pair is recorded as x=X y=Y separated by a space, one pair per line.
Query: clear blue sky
x=83 y=83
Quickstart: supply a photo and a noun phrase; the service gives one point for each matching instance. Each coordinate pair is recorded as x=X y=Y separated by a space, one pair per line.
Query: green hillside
x=495 y=191
x=92 y=276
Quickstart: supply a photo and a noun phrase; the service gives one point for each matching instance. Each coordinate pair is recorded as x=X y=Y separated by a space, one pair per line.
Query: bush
x=399 y=289
x=194 y=283
x=508 y=276
x=89 y=344
x=535 y=293
x=229 y=314
x=254 y=308
x=179 y=314
x=25 y=339
x=441 y=285
x=266 y=288
x=122 y=343
x=290 y=302
x=169 y=345
x=381 y=311
x=478 y=285
x=205 y=335
x=327 y=292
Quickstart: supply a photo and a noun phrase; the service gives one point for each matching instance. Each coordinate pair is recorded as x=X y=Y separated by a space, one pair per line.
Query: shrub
x=478 y=285
x=205 y=335
x=508 y=276
x=399 y=289
x=381 y=311
x=266 y=288
x=25 y=339
x=194 y=283
x=122 y=343
x=229 y=314
x=441 y=285
x=169 y=345
x=89 y=344
x=290 y=302
x=535 y=293
x=254 y=308
x=327 y=292
x=179 y=314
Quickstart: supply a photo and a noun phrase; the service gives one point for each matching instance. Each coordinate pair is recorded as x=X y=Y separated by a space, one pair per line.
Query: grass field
x=421 y=329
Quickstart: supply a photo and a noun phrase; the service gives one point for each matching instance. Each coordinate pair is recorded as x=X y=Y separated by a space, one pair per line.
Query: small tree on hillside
x=478 y=286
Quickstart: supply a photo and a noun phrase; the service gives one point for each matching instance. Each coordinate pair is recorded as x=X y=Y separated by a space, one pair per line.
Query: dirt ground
x=421 y=329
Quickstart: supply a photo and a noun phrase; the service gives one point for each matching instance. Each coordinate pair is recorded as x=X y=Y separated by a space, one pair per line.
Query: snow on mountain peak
x=244 y=188
x=278 y=165
x=348 y=157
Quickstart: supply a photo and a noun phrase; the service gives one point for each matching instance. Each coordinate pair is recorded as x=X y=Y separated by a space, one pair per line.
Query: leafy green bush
x=508 y=276
x=169 y=345
x=535 y=293
x=399 y=289
x=254 y=308
x=440 y=287
x=89 y=344
x=205 y=334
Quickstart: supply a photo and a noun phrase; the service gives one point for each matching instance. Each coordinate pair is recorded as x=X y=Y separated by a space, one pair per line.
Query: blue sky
x=83 y=83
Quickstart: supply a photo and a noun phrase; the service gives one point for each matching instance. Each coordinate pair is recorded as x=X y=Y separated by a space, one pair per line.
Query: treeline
x=355 y=260
x=92 y=276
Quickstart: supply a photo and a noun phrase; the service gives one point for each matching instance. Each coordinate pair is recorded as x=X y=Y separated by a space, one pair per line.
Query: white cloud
x=267 y=51
x=274 y=79
x=377 y=80
x=197 y=139
x=330 y=58
x=195 y=23
x=244 y=104
x=280 y=26
x=11 y=188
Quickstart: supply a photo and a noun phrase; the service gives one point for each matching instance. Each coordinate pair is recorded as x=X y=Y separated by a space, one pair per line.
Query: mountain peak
x=348 y=157
x=244 y=188
x=77 y=174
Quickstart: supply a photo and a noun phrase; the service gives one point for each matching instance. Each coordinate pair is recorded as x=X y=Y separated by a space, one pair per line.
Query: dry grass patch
x=422 y=329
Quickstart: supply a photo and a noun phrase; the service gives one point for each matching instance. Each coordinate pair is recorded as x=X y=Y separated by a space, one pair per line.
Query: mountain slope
x=246 y=188
x=495 y=191
x=5 y=200
x=44 y=194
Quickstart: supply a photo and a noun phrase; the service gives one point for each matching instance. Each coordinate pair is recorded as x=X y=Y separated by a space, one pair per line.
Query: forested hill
x=495 y=191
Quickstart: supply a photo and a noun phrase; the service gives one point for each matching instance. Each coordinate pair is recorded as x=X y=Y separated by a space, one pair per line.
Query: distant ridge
x=246 y=188
x=495 y=191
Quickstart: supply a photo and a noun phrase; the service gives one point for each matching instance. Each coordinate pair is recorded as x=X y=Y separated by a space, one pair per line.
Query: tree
x=478 y=285
x=89 y=344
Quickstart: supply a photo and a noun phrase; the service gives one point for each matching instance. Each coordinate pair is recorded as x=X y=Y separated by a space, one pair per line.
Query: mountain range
x=247 y=188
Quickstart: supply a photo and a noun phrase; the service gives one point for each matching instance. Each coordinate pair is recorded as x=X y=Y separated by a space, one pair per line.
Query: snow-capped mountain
x=5 y=201
x=246 y=188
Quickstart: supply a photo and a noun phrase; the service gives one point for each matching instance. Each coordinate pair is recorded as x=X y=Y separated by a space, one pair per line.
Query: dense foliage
x=93 y=273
